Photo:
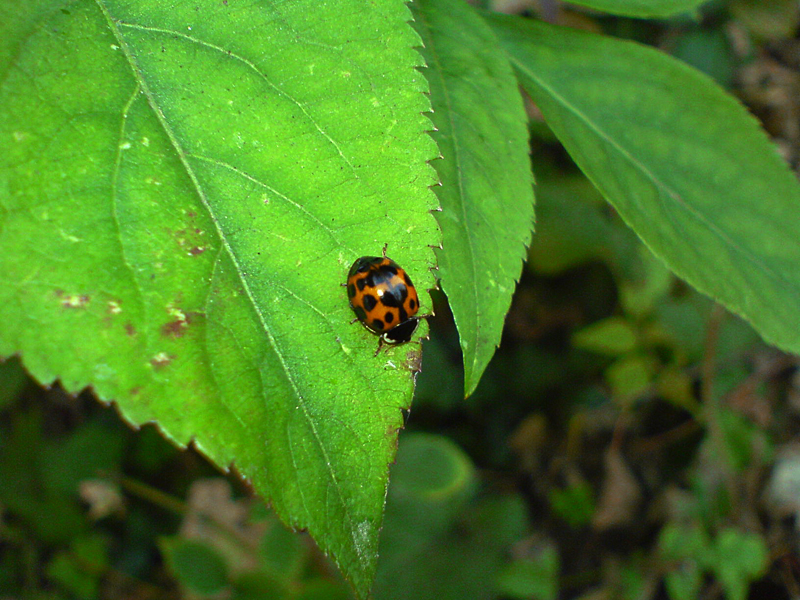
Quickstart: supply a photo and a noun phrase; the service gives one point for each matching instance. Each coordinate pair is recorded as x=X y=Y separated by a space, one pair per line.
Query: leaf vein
x=250 y=64
x=674 y=195
x=202 y=196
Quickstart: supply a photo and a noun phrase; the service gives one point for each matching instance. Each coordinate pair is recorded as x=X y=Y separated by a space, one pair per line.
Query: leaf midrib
x=456 y=151
x=753 y=259
x=201 y=195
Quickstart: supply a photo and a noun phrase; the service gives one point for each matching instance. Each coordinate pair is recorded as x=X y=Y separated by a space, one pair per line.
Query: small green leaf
x=678 y=542
x=683 y=162
x=688 y=548
x=486 y=192
x=439 y=542
x=183 y=188
x=684 y=582
x=432 y=480
x=70 y=575
x=535 y=579
x=281 y=551
x=741 y=558
x=196 y=565
x=612 y=336
x=642 y=8
x=80 y=569
x=629 y=376
x=574 y=503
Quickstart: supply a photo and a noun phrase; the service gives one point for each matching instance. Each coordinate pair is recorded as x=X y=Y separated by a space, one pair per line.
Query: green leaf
x=612 y=336
x=574 y=503
x=81 y=569
x=13 y=380
x=183 y=188
x=53 y=516
x=486 y=192
x=708 y=51
x=572 y=227
x=689 y=548
x=684 y=164
x=679 y=542
x=196 y=565
x=684 y=583
x=68 y=573
x=741 y=558
x=642 y=8
x=630 y=376
x=439 y=542
x=532 y=579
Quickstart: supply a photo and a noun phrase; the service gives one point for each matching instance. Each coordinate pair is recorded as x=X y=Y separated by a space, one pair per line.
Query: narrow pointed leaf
x=642 y=8
x=183 y=188
x=486 y=191
x=683 y=162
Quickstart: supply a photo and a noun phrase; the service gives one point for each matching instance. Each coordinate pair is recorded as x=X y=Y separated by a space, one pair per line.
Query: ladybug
x=383 y=298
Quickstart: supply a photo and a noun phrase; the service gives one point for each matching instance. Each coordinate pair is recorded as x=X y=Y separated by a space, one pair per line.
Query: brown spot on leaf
x=413 y=361
x=197 y=250
x=179 y=325
x=114 y=307
x=161 y=360
x=130 y=329
x=74 y=300
x=174 y=328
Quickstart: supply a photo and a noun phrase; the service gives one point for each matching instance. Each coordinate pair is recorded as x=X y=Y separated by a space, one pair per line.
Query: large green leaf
x=486 y=192
x=642 y=8
x=183 y=187
x=683 y=162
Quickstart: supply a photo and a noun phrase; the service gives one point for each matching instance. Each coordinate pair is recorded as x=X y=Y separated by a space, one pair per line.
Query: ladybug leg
x=354 y=321
x=386 y=245
x=380 y=346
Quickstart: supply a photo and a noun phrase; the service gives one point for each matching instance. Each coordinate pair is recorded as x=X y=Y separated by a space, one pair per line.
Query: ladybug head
x=401 y=333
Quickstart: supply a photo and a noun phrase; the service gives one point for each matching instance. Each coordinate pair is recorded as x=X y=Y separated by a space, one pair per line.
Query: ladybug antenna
x=386 y=245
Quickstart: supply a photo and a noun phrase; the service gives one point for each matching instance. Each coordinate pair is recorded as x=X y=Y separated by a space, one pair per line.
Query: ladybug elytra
x=383 y=298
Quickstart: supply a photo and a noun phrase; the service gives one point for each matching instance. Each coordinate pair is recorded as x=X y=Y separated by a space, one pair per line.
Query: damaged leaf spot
x=161 y=360
x=72 y=300
x=179 y=324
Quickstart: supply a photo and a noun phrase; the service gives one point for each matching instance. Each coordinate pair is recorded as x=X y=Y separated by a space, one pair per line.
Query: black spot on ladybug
x=370 y=302
x=383 y=298
x=391 y=298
